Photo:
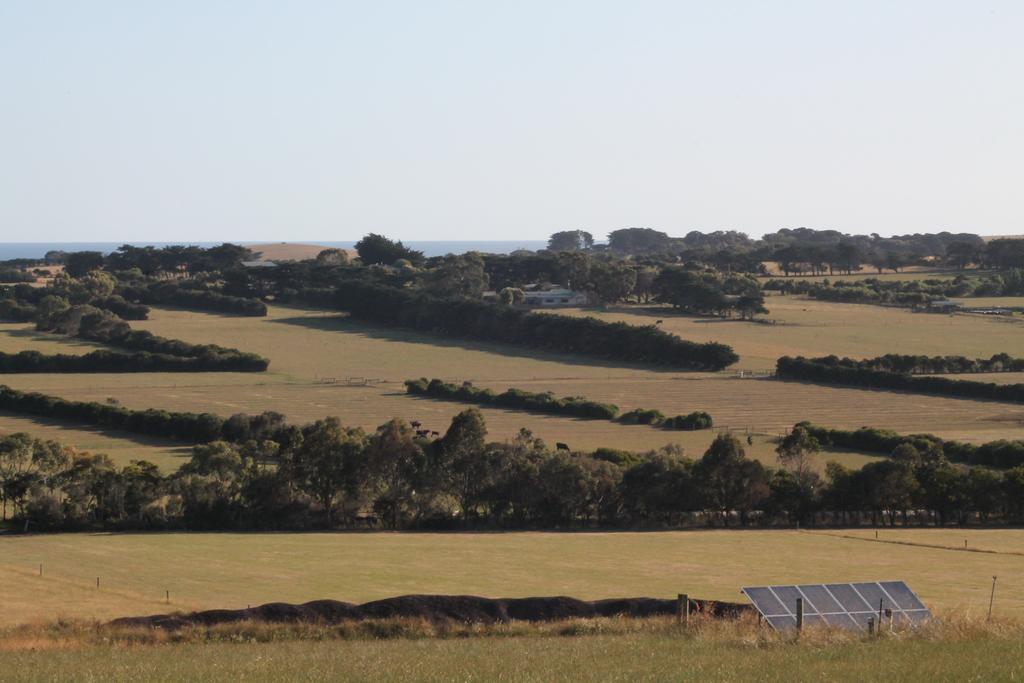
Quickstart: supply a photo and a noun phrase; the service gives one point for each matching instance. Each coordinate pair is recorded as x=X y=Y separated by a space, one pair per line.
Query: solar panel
x=842 y=605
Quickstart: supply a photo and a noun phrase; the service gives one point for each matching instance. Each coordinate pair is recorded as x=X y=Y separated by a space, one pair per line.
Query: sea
x=12 y=250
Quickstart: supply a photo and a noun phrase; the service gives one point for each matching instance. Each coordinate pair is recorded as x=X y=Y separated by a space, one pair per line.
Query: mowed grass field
x=234 y=570
x=307 y=346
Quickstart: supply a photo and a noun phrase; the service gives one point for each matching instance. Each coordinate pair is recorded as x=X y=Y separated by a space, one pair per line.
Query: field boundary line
x=915 y=544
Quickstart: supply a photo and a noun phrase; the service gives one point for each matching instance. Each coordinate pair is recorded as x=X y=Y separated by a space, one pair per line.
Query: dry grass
x=204 y=571
x=305 y=346
x=955 y=648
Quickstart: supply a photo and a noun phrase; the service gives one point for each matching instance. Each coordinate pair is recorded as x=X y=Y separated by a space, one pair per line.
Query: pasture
x=234 y=570
x=307 y=347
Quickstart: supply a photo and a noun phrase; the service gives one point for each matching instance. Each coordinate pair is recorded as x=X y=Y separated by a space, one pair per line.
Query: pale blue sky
x=206 y=120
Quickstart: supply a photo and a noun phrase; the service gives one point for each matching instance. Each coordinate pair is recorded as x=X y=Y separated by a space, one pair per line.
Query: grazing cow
x=561 y=446
x=657 y=322
x=416 y=425
x=423 y=432
x=435 y=433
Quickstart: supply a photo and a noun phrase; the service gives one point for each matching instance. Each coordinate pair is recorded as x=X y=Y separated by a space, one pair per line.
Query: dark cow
x=423 y=432
x=435 y=433
x=561 y=446
x=657 y=322
x=416 y=425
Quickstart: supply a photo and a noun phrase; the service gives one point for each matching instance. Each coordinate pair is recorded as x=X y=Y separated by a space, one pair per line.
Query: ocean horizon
x=36 y=250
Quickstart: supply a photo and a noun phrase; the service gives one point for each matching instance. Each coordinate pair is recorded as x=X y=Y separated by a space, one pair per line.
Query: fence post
x=683 y=608
x=871 y=626
x=991 y=598
x=799 y=614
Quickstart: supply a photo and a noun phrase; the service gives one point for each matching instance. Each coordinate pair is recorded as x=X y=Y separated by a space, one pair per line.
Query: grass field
x=631 y=657
x=306 y=346
x=234 y=570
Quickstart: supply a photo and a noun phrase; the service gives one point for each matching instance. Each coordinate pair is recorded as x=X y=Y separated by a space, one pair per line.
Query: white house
x=555 y=297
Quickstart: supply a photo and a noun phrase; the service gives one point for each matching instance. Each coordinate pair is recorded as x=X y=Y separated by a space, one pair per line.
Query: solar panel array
x=844 y=605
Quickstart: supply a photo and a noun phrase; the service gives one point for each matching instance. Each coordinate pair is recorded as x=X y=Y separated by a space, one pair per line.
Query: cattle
x=435 y=433
x=416 y=425
x=658 y=322
x=561 y=446
x=423 y=432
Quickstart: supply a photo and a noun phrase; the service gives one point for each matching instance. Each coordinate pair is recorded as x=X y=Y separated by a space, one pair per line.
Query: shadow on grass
x=35 y=335
x=342 y=323
x=180 y=449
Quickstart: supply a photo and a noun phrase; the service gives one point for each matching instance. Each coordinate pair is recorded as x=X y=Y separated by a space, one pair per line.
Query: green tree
x=571 y=240
x=375 y=248
x=396 y=465
x=330 y=464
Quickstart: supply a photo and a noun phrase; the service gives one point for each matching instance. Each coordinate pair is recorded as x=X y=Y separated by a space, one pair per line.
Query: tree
x=796 y=452
x=571 y=240
x=638 y=240
x=396 y=464
x=78 y=263
x=375 y=248
x=511 y=296
x=611 y=280
x=962 y=254
x=459 y=462
x=330 y=463
x=332 y=257
x=728 y=480
x=749 y=305
x=458 y=276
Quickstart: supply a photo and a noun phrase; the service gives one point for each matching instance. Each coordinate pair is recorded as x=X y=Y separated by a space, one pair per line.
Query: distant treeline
x=1002 y=453
x=546 y=402
x=844 y=372
x=189 y=427
x=479 y=320
x=187 y=295
x=932 y=365
x=13 y=275
x=904 y=292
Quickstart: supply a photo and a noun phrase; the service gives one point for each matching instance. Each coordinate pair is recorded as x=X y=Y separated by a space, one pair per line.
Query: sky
x=209 y=120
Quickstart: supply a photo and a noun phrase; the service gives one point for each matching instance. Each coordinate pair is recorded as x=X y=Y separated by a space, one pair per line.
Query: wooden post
x=991 y=598
x=40 y=569
x=871 y=626
x=799 y=614
x=683 y=608
x=167 y=596
x=97 y=583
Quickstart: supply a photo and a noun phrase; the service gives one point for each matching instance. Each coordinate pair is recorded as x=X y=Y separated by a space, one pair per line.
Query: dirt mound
x=437 y=608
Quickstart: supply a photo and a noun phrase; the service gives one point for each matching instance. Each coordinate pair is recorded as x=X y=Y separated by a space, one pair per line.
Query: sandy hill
x=989 y=238
x=289 y=251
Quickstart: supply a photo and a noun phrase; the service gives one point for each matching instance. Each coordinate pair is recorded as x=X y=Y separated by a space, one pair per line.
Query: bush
x=845 y=372
x=191 y=427
x=692 y=422
x=642 y=416
x=545 y=402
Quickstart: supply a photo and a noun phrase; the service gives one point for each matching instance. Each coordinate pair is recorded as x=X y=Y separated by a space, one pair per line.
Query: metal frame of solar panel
x=844 y=605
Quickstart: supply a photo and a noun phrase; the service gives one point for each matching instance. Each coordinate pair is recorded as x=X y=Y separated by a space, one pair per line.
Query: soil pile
x=437 y=608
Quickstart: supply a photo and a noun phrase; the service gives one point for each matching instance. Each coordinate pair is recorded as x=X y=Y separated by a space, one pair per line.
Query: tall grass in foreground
x=955 y=648
x=742 y=632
